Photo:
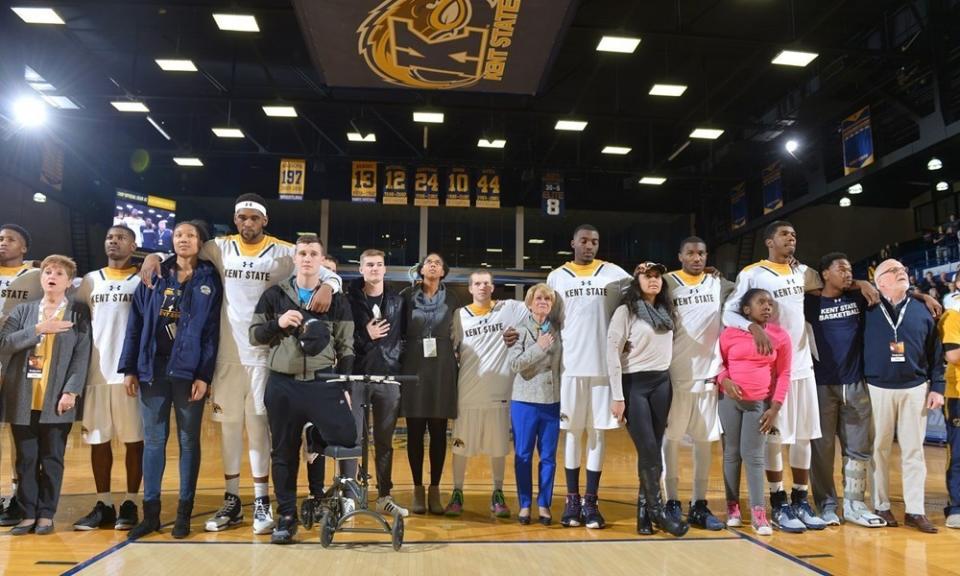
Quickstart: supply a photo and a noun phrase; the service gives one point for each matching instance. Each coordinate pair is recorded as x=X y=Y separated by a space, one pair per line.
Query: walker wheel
x=306 y=513
x=326 y=529
x=397 y=532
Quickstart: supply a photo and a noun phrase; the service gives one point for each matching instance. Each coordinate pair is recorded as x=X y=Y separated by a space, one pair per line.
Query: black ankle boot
x=656 y=511
x=150 y=522
x=644 y=526
x=181 y=527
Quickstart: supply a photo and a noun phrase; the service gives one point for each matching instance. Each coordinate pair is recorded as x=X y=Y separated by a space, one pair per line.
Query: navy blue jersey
x=837 y=325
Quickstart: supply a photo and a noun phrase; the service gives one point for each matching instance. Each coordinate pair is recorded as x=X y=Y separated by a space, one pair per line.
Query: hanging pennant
x=488 y=189
x=458 y=187
x=395 y=185
x=426 y=187
x=363 y=176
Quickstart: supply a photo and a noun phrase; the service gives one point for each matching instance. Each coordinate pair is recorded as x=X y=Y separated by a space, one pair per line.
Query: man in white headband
x=250 y=262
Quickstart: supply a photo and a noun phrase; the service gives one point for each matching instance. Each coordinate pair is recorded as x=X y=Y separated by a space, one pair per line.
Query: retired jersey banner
x=293 y=173
x=395 y=185
x=426 y=187
x=488 y=188
x=772 y=187
x=458 y=187
x=552 y=196
x=857 y=137
x=481 y=45
x=363 y=181
x=738 y=206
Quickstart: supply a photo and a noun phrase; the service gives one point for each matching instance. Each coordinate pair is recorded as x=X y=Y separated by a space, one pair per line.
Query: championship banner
x=458 y=187
x=552 y=183
x=395 y=185
x=772 y=187
x=479 y=45
x=363 y=181
x=738 y=206
x=426 y=187
x=51 y=165
x=488 y=189
x=857 y=136
x=293 y=173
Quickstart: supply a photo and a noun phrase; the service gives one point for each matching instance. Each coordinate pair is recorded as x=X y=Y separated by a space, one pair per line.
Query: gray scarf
x=658 y=317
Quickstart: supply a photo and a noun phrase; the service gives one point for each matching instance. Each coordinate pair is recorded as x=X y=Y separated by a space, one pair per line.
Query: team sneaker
x=262 y=516
x=572 y=512
x=102 y=516
x=700 y=516
x=830 y=516
x=784 y=517
x=128 y=516
x=285 y=530
x=12 y=514
x=498 y=504
x=455 y=507
x=674 y=509
x=352 y=498
x=759 y=522
x=591 y=512
x=386 y=505
x=229 y=515
x=801 y=507
x=734 y=520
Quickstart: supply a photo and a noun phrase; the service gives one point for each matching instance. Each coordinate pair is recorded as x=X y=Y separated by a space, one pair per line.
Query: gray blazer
x=538 y=371
x=71 y=356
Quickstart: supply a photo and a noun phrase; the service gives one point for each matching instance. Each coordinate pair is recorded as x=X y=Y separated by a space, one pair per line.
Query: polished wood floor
x=475 y=543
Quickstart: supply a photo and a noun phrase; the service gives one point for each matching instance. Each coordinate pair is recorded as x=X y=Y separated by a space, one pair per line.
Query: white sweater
x=650 y=351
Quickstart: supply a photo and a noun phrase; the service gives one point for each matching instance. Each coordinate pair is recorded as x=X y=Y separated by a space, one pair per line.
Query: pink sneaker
x=758 y=519
x=733 y=514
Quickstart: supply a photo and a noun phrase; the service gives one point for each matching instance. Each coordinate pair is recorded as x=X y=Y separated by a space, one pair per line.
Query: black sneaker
x=572 y=512
x=674 y=509
x=591 y=512
x=285 y=530
x=12 y=514
x=229 y=515
x=128 y=516
x=701 y=517
x=102 y=516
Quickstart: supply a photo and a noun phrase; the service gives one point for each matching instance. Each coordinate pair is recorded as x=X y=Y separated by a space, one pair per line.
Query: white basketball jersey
x=109 y=294
x=485 y=376
x=589 y=295
x=18 y=284
x=698 y=306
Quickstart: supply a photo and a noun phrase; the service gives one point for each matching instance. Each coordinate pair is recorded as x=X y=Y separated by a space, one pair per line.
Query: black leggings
x=648 y=396
x=416 y=430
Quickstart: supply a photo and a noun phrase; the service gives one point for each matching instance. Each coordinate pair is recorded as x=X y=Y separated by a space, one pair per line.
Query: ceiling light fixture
x=934 y=164
x=188 y=161
x=38 y=15
x=168 y=65
x=30 y=112
x=237 y=22
x=672 y=90
x=496 y=143
x=60 y=102
x=844 y=202
x=157 y=126
x=428 y=117
x=791 y=146
x=535 y=241
x=227 y=132
x=358 y=137
x=129 y=106
x=280 y=111
x=942 y=186
x=618 y=150
x=855 y=189
x=570 y=125
x=706 y=133
x=652 y=180
x=794 y=58
x=621 y=44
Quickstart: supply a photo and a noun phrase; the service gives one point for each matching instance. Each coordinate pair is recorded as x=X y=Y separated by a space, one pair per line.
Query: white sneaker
x=349 y=505
x=857 y=512
x=953 y=521
x=386 y=505
x=262 y=516
x=829 y=516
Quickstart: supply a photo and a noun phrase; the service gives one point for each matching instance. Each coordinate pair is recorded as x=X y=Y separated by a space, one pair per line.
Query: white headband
x=251 y=205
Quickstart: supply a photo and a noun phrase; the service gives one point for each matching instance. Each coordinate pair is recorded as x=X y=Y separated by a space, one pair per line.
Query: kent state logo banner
x=483 y=45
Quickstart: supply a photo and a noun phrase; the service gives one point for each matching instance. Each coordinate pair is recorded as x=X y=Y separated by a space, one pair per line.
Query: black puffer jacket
x=379 y=357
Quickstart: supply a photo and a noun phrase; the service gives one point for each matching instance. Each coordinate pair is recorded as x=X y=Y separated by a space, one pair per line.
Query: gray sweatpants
x=742 y=441
x=844 y=412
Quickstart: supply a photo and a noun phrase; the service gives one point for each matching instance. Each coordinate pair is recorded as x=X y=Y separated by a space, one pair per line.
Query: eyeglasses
x=436 y=261
x=895 y=270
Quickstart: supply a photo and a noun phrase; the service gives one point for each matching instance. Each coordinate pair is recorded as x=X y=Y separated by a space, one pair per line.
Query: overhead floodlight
x=706 y=133
x=428 y=117
x=495 y=250
x=546 y=267
x=188 y=161
x=564 y=253
x=158 y=127
x=942 y=186
x=30 y=112
x=621 y=44
x=60 y=102
x=791 y=146
x=280 y=111
x=38 y=15
x=794 y=58
x=495 y=143
x=129 y=106
x=43 y=86
x=349 y=246
x=844 y=202
x=618 y=150
x=535 y=241
x=934 y=164
x=39 y=197
x=31 y=75
x=570 y=125
x=358 y=137
x=855 y=189
x=168 y=65
x=225 y=132
x=652 y=180
x=674 y=90
x=237 y=22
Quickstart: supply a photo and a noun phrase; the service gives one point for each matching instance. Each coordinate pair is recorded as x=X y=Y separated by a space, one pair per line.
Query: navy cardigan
x=918 y=332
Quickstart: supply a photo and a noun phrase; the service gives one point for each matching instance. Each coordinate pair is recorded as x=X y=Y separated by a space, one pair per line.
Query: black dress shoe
x=525 y=520
x=546 y=520
x=44 y=529
x=23 y=530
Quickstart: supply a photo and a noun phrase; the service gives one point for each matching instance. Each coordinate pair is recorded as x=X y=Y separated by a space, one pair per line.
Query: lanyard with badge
x=897 y=348
x=35 y=360
x=429 y=342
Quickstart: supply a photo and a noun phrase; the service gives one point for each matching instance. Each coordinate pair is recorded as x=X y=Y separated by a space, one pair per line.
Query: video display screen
x=151 y=218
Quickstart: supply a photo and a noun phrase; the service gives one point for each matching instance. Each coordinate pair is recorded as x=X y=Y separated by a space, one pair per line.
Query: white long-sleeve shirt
x=650 y=351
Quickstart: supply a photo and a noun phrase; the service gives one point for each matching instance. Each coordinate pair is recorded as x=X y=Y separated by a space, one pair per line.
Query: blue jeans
x=156 y=398
x=535 y=424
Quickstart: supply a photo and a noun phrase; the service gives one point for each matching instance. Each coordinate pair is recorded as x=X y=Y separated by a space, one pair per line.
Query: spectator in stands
x=934 y=293
x=927 y=282
x=885 y=252
x=872 y=268
x=942 y=283
x=940 y=244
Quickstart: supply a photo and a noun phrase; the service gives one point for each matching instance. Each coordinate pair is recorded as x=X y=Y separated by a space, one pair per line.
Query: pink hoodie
x=759 y=377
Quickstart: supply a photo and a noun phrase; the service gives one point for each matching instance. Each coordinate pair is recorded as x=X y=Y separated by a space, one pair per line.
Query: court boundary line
x=312 y=542
x=784 y=554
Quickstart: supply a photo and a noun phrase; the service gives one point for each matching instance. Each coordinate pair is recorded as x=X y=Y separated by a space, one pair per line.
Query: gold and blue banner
x=426 y=187
x=857 y=135
x=772 y=187
x=458 y=187
x=552 y=197
x=488 y=189
x=293 y=175
x=738 y=206
x=363 y=181
x=395 y=185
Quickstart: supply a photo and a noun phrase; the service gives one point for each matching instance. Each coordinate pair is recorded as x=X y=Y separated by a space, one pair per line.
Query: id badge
x=429 y=347
x=172 y=331
x=897 y=352
x=34 y=367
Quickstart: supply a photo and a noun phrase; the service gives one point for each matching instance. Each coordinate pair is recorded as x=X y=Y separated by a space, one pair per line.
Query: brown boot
x=920 y=522
x=419 y=505
x=433 y=501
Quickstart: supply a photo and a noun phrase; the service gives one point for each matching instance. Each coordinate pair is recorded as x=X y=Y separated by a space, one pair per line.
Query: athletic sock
x=233 y=486
x=800 y=487
x=131 y=497
x=573 y=480
x=261 y=489
x=105 y=497
x=593 y=481
x=776 y=487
